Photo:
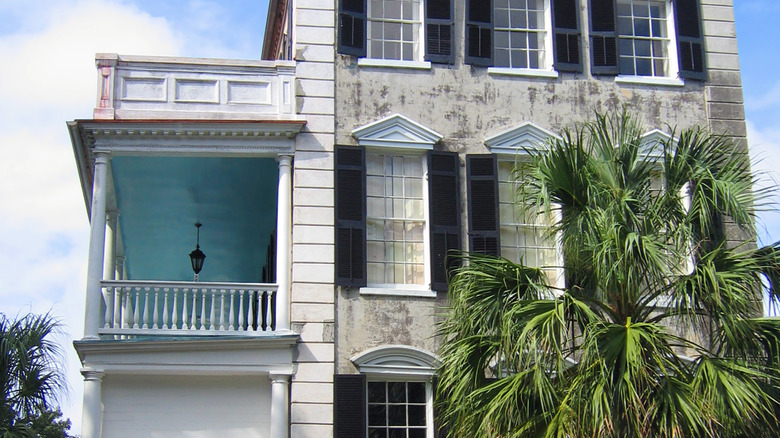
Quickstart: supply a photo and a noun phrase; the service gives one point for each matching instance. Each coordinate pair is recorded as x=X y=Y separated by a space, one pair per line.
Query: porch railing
x=185 y=308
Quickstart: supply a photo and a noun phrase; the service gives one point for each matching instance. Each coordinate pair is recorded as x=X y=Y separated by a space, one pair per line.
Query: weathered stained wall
x=467 y=105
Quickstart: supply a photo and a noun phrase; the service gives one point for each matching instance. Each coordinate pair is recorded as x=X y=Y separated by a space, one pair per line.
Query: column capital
x=279 y=378
x=91 y=375
x=102 y=156
x=284 y=159
x=112 y=214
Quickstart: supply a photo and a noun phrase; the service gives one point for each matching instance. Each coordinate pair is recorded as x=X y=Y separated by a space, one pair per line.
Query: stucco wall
x=467 y=105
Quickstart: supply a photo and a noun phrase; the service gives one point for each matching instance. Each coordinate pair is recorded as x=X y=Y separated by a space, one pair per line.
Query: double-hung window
x=397 y=210
x=397 y=32
x=649 y=38
x=644 y=38
x=395 y=29
x=396 y=222
x=521 y=33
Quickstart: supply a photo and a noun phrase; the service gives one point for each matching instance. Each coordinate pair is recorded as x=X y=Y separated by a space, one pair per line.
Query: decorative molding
x=527 y=136
x=652 y=143
x=397 y=131
x=396 y=359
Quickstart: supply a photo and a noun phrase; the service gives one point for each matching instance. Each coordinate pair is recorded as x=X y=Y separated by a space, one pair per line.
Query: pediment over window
x=396 y=359
x=652 y=143
x=397 y=131
x=517 y=140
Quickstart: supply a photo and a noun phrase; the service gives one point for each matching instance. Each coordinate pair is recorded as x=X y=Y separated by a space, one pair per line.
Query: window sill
x=398 y=292
x=649 y=80
x=370 y=62
x=525 y=72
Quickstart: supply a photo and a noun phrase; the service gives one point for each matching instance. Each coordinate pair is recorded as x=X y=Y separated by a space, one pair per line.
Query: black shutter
x=603 y=37
x=443 y=195
x=690 y=44
x=352 y=27
x=349 y=406
x=350 y=200
x=479 y=32
x=438 y=31
x=567 y=35
x=482 y=176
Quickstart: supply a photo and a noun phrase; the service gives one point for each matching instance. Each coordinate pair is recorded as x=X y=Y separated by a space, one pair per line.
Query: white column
x=279 y=405
x=97 y=239
x=283 y=237
x=109 y=264
x=92 y=415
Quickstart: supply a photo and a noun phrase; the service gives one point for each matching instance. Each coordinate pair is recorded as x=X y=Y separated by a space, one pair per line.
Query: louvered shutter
x=443 y=196
x=603 y=37
x=352 y=27
x=350 y=200
x=479 y=32
x=690 y=44
x=349 y=406
x=567 y=36
x=482 y=176
x=438 y=31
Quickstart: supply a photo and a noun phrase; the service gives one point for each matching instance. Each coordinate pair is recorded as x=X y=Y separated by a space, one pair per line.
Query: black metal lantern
x=197 y=257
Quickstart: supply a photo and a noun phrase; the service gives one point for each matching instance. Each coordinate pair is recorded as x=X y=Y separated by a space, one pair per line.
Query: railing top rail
x=189 y=284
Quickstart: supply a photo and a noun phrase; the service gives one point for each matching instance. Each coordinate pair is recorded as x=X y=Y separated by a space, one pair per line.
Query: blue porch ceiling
x=161 y=198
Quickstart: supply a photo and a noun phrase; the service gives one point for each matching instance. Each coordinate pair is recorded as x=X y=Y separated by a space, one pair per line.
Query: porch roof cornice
x=224 y=138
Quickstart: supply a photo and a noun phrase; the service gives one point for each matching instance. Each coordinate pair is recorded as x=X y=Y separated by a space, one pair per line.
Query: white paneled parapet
x=146 y=87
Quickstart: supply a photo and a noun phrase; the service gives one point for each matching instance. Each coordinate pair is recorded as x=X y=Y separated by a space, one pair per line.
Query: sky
x=48 y=77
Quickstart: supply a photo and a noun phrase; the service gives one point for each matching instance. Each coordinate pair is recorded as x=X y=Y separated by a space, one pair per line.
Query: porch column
x=92 y=415
x=97 y=238
x=109 y=264
x=283 y=235
x=279 y=405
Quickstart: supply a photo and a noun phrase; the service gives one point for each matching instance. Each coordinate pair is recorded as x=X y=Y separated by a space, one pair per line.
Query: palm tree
x=31 y=374
x=657 y=331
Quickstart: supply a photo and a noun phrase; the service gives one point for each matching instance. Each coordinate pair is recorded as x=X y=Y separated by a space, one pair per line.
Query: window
x=644 y=38
x=391 y=397
x=520 y=33
x=397 y=209
x=652 y=38
x=394 y=29
x=525 y=235
x=395 y=219
x=398 y=409
x=400 y=32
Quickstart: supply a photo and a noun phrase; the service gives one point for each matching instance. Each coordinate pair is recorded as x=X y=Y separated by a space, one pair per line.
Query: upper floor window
x=400 y=32
x=644 y=37
x=395 y=29
x=521 y=31
x=397 y=213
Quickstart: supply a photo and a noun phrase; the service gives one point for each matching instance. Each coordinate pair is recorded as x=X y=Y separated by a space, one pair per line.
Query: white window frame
x=419 y=46
x=404 y=288
x=671 y=75
x=545 y=68
x=402 y=136
x=400 y=363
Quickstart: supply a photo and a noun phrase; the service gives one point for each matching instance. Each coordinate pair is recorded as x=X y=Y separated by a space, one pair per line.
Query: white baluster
x=222 y=309
x=156 y=307
x=194 y=318
x=231 y=307
x=118 y=300
x=146 y=307
x=250 y=318
x=212 y=326
x=108 y=299
x=165 y=317
x=203 y=310
x=128 y=307
x=137 y=309
x=185 y=314
x=241 y=310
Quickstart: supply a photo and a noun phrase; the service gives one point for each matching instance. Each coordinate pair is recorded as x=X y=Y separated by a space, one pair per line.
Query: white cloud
x=764 y=143
x=768 y=99
x=49 y=77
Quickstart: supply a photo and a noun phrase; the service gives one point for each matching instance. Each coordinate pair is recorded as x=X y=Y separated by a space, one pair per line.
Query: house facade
x=330 y=180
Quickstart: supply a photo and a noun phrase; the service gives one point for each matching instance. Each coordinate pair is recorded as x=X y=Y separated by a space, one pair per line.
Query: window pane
x=417 y=415
x=377 y=433
x=377 y=415
x=376 y=392
x=396 y=415
x=416 y=392
x=417 y=433
x=397 y=433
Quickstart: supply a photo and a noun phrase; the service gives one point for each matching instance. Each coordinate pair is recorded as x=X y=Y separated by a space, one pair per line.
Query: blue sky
x=48 y=77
